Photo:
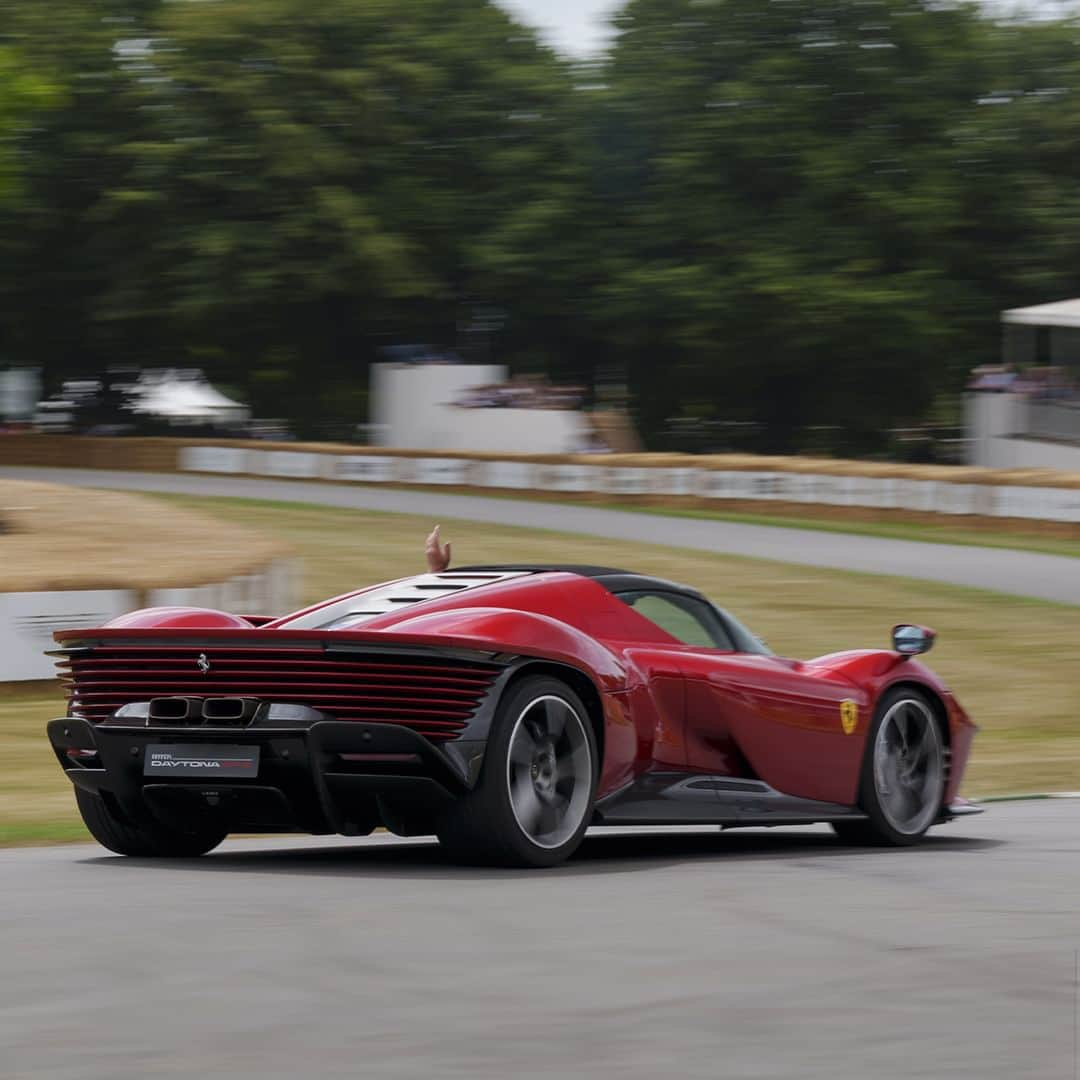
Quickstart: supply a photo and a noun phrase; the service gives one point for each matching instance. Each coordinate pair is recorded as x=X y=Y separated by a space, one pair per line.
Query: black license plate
x=200 y=761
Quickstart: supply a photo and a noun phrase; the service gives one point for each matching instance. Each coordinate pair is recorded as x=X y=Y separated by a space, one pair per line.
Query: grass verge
x=1011 y=661
x=924 y=532
x=1049 y=538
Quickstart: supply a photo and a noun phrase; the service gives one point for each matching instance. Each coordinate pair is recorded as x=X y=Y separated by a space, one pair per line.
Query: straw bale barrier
x=859 y=490
x=163 y=455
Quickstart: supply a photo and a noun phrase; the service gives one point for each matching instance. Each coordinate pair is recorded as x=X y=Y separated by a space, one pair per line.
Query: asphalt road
x=688 y=954
x=1022 y=573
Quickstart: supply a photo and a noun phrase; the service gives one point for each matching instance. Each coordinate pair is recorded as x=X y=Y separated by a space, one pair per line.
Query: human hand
x=438 y=554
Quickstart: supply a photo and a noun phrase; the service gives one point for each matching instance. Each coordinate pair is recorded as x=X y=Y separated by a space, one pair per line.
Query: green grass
x=1016 y=538
x=928 y=533
x=1037 y=537
x=43 y=832
x=1011 y=661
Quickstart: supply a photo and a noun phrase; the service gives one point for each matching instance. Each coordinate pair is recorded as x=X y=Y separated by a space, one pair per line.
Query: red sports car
x=503 y=708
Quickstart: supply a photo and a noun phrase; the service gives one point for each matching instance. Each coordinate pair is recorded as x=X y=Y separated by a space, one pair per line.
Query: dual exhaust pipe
x=236 y=711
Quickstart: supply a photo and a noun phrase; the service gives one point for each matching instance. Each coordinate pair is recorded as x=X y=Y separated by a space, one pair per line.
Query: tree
x=22 y=93
x=790 y=228
x=58 y=252
x=320 y=180
x=802 y=217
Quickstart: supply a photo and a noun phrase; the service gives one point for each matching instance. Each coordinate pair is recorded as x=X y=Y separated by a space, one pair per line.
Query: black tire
x=149 y=840
x=484 y=826
x=901 y=791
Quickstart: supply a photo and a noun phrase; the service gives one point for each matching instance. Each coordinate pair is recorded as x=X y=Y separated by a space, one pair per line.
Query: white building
x=420 y=406
x=20 y=389
x=1017 y=420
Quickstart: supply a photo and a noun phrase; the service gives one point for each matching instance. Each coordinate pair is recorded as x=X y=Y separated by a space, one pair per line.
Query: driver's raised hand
x=438 y=554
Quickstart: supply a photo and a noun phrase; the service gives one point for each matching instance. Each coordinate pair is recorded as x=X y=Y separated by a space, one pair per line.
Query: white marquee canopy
x=1062 y=313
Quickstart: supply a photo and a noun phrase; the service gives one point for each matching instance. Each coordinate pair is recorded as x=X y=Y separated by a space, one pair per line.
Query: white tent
x=1064 y=313
x=185 y=397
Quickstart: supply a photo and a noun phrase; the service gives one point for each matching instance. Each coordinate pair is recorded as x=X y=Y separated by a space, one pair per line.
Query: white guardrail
x=28 y=619
x=895 y=493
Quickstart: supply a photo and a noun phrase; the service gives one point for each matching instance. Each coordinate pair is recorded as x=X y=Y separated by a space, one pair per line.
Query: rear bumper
x=330 y=777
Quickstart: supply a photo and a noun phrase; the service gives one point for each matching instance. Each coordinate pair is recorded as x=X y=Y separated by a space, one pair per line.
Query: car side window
x=685 y=618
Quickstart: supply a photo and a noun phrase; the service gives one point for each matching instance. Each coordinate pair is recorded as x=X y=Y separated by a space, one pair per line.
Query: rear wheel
x=534 y=799
x=902 y=785
x=142 y=839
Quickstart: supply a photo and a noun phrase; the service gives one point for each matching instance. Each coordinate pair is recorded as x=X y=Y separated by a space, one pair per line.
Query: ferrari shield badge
x=849 y=715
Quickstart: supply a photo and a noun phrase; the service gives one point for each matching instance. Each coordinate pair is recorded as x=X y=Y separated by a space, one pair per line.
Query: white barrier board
x=571 y=477
x=745 y=485
x=27 y=622
x=293 y=464
x=623 y=481
x=441 y=471
x=1047 y=504
x=213 y=459
x=520 y=475
x=929 y=496
x=364 y=470
x=675 y=481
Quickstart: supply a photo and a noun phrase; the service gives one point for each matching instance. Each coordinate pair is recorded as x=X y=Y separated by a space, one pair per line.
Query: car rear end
x=253 y=732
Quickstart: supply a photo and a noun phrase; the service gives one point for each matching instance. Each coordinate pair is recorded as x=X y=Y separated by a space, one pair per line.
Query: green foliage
x=22 y=93
x=799 y=162
x=803 y=216
x=336 y=176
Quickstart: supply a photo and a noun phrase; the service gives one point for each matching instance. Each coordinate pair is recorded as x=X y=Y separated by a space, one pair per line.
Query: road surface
x=692 y=954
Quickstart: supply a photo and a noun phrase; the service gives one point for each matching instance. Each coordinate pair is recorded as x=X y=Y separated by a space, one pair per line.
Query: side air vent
x=723 y=783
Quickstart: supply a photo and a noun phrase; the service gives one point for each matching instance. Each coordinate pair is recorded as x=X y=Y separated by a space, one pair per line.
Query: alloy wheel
x=909 y=772
x=549 y=771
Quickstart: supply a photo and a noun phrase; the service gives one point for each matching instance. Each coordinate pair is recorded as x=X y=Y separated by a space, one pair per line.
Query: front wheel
x=902 y=785
x=148 y=839
x=533 y=801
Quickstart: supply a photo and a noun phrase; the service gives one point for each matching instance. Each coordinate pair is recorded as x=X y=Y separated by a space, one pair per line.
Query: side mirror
x=909 y=640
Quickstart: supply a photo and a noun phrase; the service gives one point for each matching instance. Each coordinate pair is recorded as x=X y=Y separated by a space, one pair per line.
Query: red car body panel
x=667 y=706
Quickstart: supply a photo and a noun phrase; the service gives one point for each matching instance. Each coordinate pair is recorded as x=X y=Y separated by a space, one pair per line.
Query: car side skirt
x=681 y=799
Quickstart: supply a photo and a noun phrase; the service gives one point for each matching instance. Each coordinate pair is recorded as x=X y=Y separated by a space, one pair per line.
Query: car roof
x=541 y=568
x=614 y=580
x=401 y=595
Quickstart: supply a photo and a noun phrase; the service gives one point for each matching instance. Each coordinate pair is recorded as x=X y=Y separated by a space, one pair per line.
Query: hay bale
x=61 y=538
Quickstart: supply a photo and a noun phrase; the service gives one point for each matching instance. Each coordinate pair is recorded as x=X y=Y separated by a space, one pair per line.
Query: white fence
x=27 y=620
x=942 y=497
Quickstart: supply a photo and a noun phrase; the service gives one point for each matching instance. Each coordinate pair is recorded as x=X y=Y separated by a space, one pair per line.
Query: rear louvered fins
x=433 y=696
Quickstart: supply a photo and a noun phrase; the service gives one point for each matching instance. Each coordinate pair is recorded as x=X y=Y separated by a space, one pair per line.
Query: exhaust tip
x=173 y=709
x=229 y=710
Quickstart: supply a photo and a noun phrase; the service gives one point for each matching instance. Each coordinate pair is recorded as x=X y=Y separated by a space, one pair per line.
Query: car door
x=702 y=741
x=784 y=719
x=751 y=714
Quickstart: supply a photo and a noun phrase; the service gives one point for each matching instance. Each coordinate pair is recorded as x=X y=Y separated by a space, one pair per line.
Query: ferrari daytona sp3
x=503 y=708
